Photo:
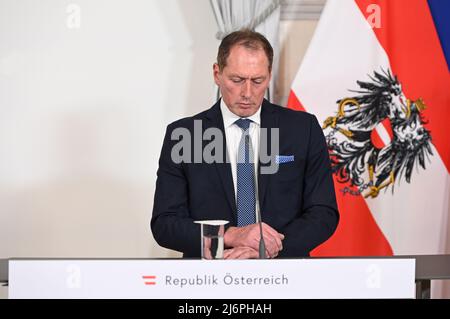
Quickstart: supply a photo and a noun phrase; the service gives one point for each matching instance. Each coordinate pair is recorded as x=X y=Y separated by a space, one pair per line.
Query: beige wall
x=83 y=112
x=294 y=40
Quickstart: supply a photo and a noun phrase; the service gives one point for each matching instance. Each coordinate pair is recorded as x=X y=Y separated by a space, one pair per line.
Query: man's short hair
x=247 y=38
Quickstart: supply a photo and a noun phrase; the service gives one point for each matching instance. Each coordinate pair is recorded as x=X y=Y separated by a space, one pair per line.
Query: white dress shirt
x=233 y=134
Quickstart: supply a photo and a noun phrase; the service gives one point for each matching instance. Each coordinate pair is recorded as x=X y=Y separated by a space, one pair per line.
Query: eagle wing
x=373 y=101
x=401 y=157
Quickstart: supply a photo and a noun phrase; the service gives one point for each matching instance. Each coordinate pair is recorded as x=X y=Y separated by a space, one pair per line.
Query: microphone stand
x=262 y=244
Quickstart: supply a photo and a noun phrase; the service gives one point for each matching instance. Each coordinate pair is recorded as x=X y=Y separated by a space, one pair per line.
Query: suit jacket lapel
x=223 y=169
x=269 y=120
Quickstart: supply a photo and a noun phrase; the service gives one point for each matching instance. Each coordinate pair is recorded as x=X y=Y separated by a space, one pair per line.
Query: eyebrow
x=261 y=77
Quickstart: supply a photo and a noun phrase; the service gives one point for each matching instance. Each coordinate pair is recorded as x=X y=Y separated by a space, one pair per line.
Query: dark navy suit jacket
x=297 y=201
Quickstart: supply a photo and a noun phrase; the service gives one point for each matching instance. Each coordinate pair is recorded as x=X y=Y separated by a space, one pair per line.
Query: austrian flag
x=377 y=78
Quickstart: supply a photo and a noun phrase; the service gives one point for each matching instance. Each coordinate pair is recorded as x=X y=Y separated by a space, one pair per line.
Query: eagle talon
x=373 y=192
x=330 y=121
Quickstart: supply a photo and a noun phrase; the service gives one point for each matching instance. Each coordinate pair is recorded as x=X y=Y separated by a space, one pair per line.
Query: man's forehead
x=247 y=68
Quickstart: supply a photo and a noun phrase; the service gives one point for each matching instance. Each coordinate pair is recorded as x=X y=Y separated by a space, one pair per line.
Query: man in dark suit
x=296 y=200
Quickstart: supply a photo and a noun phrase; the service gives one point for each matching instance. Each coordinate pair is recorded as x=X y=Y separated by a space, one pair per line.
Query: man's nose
x=246 y=90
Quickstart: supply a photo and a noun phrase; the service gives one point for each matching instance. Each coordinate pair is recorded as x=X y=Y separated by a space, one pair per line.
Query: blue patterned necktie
x=245 y=177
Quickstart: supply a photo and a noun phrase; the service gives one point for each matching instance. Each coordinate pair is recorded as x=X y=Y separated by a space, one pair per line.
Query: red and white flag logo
x=149 y=280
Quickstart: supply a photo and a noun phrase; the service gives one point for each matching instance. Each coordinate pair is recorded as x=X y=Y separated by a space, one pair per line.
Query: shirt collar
x=229 y=117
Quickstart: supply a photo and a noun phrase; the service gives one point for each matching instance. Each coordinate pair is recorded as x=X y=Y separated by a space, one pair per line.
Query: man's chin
x=246 y=111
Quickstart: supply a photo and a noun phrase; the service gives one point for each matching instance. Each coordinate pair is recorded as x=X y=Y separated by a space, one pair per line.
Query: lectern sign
x=237 y=279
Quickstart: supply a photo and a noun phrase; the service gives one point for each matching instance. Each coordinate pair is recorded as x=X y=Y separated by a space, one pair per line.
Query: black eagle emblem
x=352 y=138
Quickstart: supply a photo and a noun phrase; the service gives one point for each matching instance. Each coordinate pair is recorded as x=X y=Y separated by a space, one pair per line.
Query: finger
x=231 y=255
x=273 y=241
x=251 y=236
x=273 y=232
x=248 y=253
x=268 y=229
x=271 y=246
x=227 y=253
x=278 y=242
x=271 y=255
x=270 y=242
x=278 y=236
x=242 y=254
x=253 y=241
x=235 y=254
x=268 y=232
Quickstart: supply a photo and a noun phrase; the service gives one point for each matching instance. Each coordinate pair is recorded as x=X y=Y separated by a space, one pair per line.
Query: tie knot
x=244 y=124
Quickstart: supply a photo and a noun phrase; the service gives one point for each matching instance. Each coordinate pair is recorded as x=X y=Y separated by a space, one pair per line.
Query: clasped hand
x=243 y=242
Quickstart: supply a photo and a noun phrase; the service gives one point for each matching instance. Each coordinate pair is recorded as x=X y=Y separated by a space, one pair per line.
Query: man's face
x=244 y=80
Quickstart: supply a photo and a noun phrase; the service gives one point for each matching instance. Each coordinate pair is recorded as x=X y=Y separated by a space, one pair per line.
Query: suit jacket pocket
x=287 y=172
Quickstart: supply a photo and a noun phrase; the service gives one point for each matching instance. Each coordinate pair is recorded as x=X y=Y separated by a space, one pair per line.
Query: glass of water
x=212 y=244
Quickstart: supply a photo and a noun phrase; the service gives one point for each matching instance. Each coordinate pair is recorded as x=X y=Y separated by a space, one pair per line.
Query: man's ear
x=216 y=72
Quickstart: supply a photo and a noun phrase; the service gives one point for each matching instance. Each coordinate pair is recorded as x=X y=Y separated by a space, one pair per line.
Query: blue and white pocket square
x=280 y=159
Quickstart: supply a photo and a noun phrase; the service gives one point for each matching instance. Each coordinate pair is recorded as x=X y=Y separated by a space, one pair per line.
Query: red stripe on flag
x=294 y=103
x=376 y=140
x=357 y=232
x=384 y=128
x=388 y=127
x=409 y=37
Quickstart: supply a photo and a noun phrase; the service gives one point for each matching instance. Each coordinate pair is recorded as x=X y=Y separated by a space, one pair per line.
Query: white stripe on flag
x=414 y=217
x=333 y=62
x=383 y=134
